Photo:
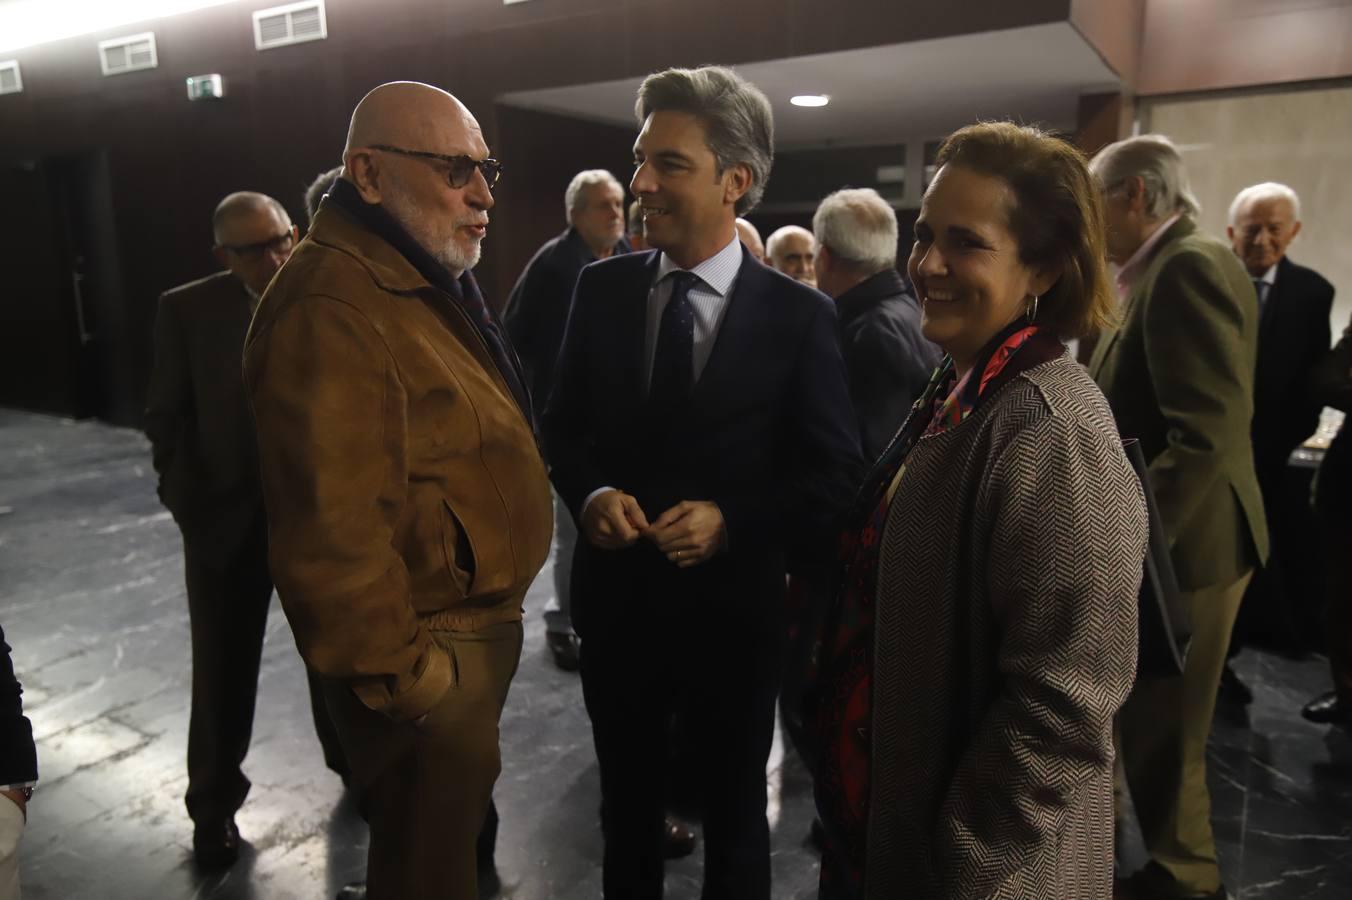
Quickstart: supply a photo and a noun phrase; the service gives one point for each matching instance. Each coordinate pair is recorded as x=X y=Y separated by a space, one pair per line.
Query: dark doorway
x=61 y=309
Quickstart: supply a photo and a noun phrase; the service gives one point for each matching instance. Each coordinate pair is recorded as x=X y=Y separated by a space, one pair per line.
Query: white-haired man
x=751 y=238
x=537 y=311
x=887 y=357
x=1178 y=374
x=1293 y=335
x=790 y=250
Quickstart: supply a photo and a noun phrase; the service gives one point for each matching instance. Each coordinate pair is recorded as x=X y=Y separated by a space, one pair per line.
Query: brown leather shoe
x=215 y=845
x=678 y=838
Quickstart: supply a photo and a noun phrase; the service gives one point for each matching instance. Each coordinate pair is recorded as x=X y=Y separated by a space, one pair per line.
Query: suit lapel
x=736 y=332
x=1110 y=338
x=234 y=312
x=1105 y=343
x=631 y=326
x=1272 y=308
x=1130 y=306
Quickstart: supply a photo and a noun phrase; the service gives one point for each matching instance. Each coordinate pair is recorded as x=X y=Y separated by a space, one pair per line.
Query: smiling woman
x=984 y=633
x=26 y=23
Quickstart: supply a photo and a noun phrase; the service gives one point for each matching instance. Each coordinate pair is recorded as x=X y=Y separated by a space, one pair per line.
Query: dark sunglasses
x=280 y=244
x=460 y=169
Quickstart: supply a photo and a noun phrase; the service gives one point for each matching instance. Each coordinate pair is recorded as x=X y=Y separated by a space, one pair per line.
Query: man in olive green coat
x=1178 y=373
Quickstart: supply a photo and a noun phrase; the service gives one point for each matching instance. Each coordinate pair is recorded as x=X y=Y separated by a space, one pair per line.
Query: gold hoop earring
x=1030 y=310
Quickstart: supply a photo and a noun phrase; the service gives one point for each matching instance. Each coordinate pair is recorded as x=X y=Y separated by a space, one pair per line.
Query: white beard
x=444 y=250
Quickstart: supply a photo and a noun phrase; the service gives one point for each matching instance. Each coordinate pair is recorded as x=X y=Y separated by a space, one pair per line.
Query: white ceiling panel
x=895 y=93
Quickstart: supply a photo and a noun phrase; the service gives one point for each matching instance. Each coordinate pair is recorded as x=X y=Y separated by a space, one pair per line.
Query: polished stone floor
x=91 y=598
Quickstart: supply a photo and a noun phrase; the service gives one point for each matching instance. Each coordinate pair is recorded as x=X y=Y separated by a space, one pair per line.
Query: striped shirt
x=708 y=298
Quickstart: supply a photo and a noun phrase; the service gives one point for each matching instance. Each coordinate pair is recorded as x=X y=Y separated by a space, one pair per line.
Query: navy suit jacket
x=768 y=434
x=537 y=308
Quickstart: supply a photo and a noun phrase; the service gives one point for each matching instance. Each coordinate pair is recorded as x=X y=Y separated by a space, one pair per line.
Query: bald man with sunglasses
x=408 y=506
x=204 y=451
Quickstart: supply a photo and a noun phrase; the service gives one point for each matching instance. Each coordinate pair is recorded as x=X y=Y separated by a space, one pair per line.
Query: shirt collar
x=717 y=272
x=1127 y=274
x=1270 y=276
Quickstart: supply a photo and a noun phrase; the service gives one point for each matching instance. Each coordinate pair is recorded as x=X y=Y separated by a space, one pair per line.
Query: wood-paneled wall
x=286 y=110
x=1203 y=45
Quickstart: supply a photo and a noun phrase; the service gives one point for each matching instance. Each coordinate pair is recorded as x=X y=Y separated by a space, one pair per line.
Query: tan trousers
x=425 y=789
x=11 y=829
x=1163 y=729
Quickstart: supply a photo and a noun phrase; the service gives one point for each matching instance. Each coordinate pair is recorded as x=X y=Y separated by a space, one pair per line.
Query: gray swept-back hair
x=1155 y=159
x=859 y=227
x=572 y=197
x=738 y=122
x=1268 y=190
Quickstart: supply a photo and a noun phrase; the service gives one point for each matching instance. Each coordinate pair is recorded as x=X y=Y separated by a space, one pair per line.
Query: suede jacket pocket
x=458 y=548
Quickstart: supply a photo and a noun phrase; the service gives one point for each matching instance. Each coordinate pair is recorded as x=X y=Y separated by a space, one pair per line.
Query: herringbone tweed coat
x=1005 y=643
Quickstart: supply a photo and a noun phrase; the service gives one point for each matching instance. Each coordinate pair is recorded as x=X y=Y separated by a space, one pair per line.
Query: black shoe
x=1327 y=710
x=816 y=835
x=1155 y=883
x=215 y=845
x=1232 y=690
x=565 y=648
x=678 y=838
x=354 y=891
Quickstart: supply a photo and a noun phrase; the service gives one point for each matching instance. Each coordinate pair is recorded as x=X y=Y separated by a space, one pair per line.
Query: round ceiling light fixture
x=810 y=100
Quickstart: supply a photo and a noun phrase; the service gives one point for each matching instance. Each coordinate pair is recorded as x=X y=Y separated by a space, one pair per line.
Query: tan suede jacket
x=404 y=487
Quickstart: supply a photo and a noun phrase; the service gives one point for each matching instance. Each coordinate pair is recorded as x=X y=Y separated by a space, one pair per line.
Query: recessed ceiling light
x=810 y=100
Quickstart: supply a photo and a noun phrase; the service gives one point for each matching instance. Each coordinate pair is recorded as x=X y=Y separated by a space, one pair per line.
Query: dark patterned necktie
x=1261 y=287
x=673 y=363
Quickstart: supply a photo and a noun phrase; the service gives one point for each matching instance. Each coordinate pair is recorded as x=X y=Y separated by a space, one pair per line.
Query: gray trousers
x=558 y=609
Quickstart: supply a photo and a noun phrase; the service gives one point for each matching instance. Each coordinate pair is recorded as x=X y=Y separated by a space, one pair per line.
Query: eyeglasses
x=279 y=244
x=460 y=168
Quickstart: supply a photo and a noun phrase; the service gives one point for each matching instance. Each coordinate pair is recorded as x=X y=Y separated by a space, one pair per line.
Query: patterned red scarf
x=840 y=697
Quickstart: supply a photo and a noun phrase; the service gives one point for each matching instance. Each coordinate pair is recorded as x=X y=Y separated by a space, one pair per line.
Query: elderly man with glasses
x=408 y=506
x=201 y=433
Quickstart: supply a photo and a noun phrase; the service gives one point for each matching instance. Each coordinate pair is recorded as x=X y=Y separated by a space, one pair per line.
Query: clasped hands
x=688 y=534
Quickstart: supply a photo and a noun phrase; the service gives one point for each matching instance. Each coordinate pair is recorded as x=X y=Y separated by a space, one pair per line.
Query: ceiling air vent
x=10 y=80
x=294 y=23
x=128 y=54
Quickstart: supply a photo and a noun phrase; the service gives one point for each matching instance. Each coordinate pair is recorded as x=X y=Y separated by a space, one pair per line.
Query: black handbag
x=1165 y=622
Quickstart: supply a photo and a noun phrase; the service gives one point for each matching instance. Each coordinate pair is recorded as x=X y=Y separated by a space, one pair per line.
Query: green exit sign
x=206 y=87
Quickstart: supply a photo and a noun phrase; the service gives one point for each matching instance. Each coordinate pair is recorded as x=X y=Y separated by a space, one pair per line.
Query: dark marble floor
x=91 y=598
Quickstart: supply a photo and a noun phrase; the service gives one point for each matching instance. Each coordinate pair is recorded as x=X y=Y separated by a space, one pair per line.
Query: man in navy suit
x=700 y=429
